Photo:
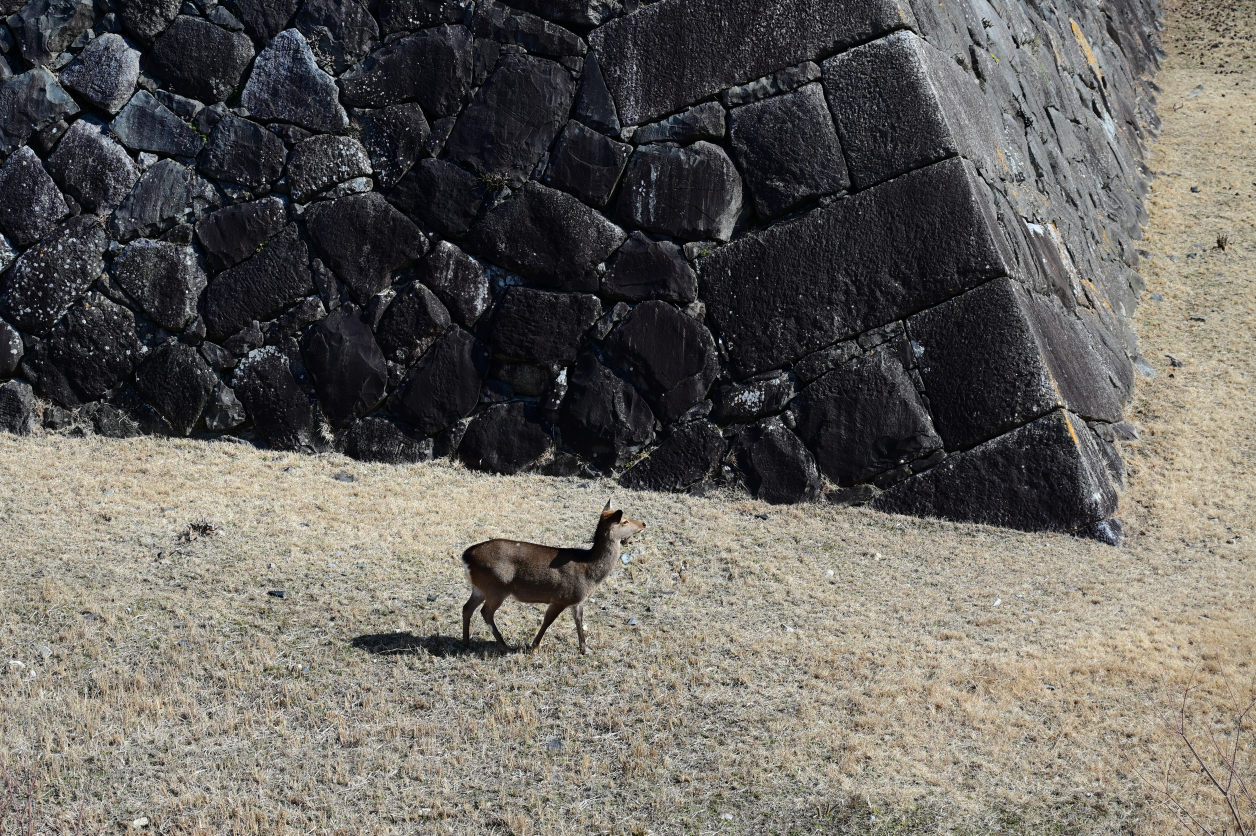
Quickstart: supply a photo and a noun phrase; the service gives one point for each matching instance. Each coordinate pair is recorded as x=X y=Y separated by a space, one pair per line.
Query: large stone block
x=779 y=468
x=166 y=194
x=348 y=368
x=240 y=151
x=95 y=346
x=92 y=168
x=394 y=137
x=603 y=417
x=104 y=73
x=687 y=455
x=28 y=103
x=260 y=288
x=201 y=60
x=1048 y=475
x=540 y=326
x=164 y=278
x=587 y=164
x=340 y=32
x=648 y=269
x=178 y=382
x=669 y=355
x=441 y=194
x=231 y=235
x=444 y=386
x=279 y=407
x=432 y=67
x=414 y=320
x=459 y=280
x=145 y=124
x=46 y=280
x=365 y=240
x=30 y=202
x=287 y=85
x=504 y=439
x=690 y=193
x=320 y=162
x=856 y=264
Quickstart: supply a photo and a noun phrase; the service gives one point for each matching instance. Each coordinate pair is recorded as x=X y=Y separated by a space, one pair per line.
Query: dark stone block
x=280 y=409
x=401 y=15
x=364 y=240
x=587 y=164
x=178 y=382
x=1109 y=532
x=110 y=421
x=380 y=439
x=781 y=81
x=264 y=19
x=11 y=349
x=320 y=162
x=49 y=380
x=45 y=28
x=852 y=266
x=145 y=124
x=347 y=365
x=603 y=418
x=30 y=203
x=704 y=121
x=394 y=137
x=502 y=439
x=47 y=279
x=779 y=468
x=547 y=236
x=646 y=269
x=224 y=410
x=863 y=418
x=340 y=32
x=513 y=118
x=540 y=326
x=535 y=34
x=164 y=278
x=91 y=168
x=261 y=287
x=432 y=67
x=672 y=54
x=442 y=195
x=146 y=19
x=167 y=194
x=200 y=60
x=687 y=455
x=287 y=85
x=900 y=104
x=572 y=12
x=104 y=73
x=594 y=105
x=19 y=411
x=458 y=279
x=998 y=357
x=31 y=102
x=240 y=151
x=742 y=403
x=1045 y=476
x=95 y=346
x=444 y=386
x=414 y=320
x=690 y=193
x=231 y=235
x=669 y=355
x=788 y=150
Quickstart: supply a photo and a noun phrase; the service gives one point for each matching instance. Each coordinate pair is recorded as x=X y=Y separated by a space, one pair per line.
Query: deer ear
x=606 y=511
x=617 y=517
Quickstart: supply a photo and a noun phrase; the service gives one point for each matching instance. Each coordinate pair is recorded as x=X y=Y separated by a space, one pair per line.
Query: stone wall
x=881 y=250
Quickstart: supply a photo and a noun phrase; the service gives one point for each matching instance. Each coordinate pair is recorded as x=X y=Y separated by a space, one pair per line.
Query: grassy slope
x=960 y=678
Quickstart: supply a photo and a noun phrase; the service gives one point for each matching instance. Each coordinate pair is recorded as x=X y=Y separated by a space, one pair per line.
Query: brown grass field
x=754 y=670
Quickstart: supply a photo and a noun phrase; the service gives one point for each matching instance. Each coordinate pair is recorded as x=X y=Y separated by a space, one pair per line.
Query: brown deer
x=562 y=578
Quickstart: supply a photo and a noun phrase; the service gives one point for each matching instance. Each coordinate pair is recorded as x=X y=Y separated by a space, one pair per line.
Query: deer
x=533 y=574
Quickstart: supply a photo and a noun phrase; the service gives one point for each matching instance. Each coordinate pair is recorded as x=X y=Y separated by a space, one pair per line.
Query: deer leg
x=577 y=613
x=551 y=613
x=468 y=609
x=490 y=607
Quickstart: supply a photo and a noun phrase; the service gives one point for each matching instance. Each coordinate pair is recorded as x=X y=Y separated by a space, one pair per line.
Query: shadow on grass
x=394 y=644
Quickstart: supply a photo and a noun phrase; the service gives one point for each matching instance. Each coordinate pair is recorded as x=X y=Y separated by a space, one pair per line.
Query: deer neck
x=604 y=554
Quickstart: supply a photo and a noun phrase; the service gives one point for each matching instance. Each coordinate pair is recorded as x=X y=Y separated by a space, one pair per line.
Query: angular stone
x=46 y=279
x=404 y=15
x=30 y=203
x=572 y=12
x=998 y=357
x=900 y=104
x=742 y=403
x=264 y=20
x=691 y=193
x=587 y=164
x=11 y=349
x=348 y=368
x=394 y=137
x=432 y=67
x=45 y=28
x=146 y=19
x=677 y=52
x=95 y=346
x=48 y=380
x=104 y=73
x=540 y=326
x=380 y=439
x=200 y=60
x=19 y=411
x=91 y=168
x=1045 y=476
x=145 y=124
x=166 y=194
x=164 y=278
x=547 y=236
x=231 y=235
x=31 y=102
x=414 y=320
x=364 y=240
x=788 y=150
x=458 y=280
x=780 y=469
x=286 y=85
x=502 y=439
x=178 y=383
x=280 y=409
x=854 y=265
x=444 y=386
x=260 y=288
x=240 y=151
x=864 y=418
x=340 y=32
x=513 y=118
x=603 y=418
x=688 y=454
x=224 y=410
x=646 y=269
x=670 y=356
x=781 y=81
x=442 y=195
x=594 y=105
x=535 y=34
x=704 y=121
x=320 y=162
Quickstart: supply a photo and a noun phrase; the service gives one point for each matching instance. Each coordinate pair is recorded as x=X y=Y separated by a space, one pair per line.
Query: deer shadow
x=403 y=644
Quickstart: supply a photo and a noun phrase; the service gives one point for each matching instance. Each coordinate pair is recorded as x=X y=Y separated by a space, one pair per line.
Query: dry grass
x=958 y=679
